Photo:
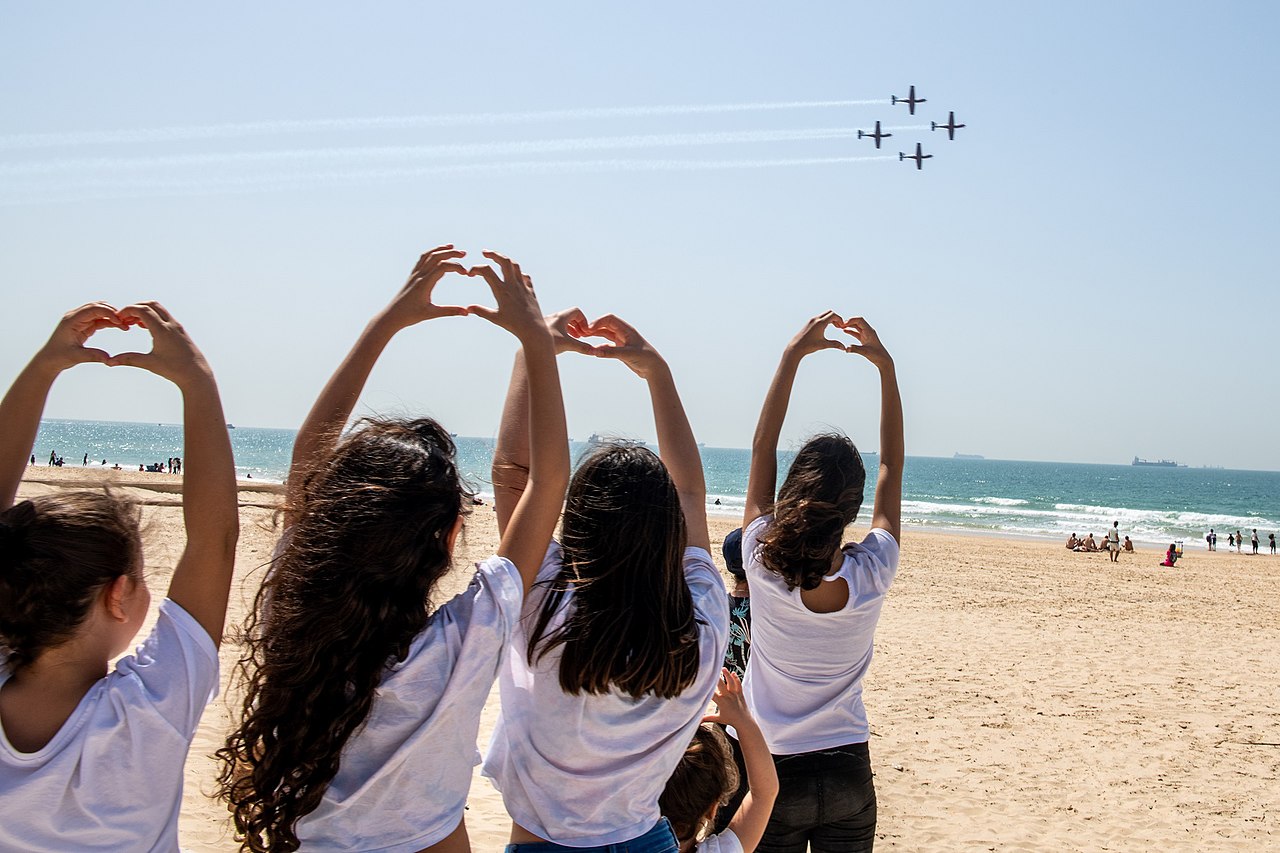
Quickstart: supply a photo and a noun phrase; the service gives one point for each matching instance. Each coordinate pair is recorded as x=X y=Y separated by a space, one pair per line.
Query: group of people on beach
x=171 y=466
x=361 y=693
x=1110 y=543
x=1236 y=540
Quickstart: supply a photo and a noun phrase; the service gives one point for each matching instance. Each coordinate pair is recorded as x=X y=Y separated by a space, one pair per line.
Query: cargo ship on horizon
x=1157 y=463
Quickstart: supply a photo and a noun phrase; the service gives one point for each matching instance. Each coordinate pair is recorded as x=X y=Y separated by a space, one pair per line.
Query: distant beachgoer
x=1208 y=537
x=1254 y=540
x=53 y=457
x=1090 y=544
x=142 y=467
x=1113 y=541
x=177 y=465
x=739 y=650
x=1171 y=556
x=1239 y=542
x=1231 y=541
x=1213 y=537
x=1128 y=544
x=1072 y=542
x=115 y=467
x=1272 y=537
x=86 y=460
x=33 y=459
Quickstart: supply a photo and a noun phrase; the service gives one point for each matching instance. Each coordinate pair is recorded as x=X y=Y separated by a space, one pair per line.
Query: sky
x=1087 y=273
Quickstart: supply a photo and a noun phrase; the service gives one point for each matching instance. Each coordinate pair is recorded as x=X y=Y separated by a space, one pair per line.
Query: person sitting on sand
x=1128 y=544
x=1072 y=542
x=93 y=755
x=1171 y=556
x=622 y=640
x=1090 y=544
x=708 y=774
x=362 y=698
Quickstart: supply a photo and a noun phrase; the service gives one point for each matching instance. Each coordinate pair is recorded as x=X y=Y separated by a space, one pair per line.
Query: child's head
x=733 y=554
x=347 y=594
x=63 y=558
x=702 y=782
x=820 y=497
x=631 y=623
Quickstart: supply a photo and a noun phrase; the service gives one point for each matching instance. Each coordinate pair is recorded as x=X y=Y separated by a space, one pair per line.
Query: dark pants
x=826 y=802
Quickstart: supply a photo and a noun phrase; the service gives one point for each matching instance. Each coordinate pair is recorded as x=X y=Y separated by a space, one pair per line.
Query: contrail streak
x=269 y=128
x=93 y=189
x=423 y=152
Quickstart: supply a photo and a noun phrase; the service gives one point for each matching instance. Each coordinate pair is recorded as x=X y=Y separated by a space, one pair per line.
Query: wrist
x=45 y=367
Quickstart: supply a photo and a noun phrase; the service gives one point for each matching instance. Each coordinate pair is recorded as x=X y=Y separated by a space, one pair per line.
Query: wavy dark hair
x=344 y=599
x=630 y=623
x=57 y=552
x=819 y=499
x=705 y=777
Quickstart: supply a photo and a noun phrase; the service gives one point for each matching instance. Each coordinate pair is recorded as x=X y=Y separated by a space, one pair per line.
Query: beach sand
x=1023 y=697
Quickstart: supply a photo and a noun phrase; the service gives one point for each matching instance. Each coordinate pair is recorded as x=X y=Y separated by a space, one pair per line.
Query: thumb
x=451 y=310
x=711 y=718
x=90 y=355
x=482 y=311
x=579 y=346
x=143 y=360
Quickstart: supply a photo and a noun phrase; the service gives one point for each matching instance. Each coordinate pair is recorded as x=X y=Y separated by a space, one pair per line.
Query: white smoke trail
x=417 y=152
x=116 y=188
x=271 y=128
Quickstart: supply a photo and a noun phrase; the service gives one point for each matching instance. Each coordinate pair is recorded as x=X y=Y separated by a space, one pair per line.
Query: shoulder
x=876 y=558
x=721 y=842
x=174 y=670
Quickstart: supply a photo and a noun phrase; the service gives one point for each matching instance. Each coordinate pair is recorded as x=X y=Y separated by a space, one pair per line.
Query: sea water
x=1037 y=499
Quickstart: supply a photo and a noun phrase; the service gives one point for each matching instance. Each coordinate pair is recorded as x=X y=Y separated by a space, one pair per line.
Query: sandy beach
x=1023 y=697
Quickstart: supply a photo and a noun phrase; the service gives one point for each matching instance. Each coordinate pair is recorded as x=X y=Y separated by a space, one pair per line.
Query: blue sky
x=1087 y=273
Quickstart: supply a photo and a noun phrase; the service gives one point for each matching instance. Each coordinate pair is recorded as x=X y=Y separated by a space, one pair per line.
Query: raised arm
x=762 y=481
x=328 y=416
x=202 y=579
x=887 y=514
x=676 y=444
x=510 y=470
x=529 y=510
x=23 y=405
x=752 y=817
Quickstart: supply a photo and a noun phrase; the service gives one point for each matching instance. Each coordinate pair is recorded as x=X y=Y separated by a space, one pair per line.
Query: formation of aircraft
x=877 y=136
x=919 y=157
x=950 y=126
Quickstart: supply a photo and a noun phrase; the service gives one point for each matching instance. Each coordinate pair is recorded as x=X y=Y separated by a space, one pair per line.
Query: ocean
x=990 y=496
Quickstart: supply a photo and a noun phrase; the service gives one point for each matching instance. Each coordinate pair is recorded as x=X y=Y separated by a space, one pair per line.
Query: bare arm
x=749 y=822
x=511 y=452
x=202 y=579
x=328 y=416
x=23 y=405
x=762 y=481
x=529 y=513
x=887 y=513
x=677 y=446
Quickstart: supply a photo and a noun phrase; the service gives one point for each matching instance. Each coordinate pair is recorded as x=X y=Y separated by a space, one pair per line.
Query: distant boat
x=1157 y=463
x=231 y=426
x=968 y=456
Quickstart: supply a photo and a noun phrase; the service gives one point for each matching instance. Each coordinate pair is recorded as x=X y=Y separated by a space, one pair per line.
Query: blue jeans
x=826 y=803
x=660 y=839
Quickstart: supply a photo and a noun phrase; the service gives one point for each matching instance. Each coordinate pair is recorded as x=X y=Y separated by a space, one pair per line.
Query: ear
x=453 y=534
x=114 y=596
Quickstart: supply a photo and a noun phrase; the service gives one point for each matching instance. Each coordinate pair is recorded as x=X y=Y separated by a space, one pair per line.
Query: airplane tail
x=893 y=99
x=935 y=125
x=859 y=134
x=901 y=156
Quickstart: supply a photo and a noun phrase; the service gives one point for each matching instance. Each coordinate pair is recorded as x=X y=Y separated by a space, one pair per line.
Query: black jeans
x=826 y=802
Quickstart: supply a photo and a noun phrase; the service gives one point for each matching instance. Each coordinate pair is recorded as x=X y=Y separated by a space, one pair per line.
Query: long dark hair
x=344 y=599
x=820 y=497
x=57 y=552
x=630 y=624
x=706 y=776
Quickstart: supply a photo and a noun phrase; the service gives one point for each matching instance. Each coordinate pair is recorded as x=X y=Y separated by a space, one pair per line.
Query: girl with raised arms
x=619 y=648
x=815 y=603
x=362 y=699
x=91 y=758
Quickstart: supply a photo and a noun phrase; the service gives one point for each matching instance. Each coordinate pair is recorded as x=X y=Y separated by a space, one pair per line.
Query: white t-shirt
x=722 y=842
x=587 y=770
x=804 y=678
x=111 y=778
x=404 y=776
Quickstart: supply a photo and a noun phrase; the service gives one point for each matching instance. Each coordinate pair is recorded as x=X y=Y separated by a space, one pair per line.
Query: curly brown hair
x=819 y=499
x=57 y=552
x=631 y=623
x=705 y=777
x=344 y=599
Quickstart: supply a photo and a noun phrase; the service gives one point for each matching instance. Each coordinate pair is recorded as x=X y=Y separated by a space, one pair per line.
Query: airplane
x=910 y=100
x=877 y=136
x=918 y=157
x=951 y=127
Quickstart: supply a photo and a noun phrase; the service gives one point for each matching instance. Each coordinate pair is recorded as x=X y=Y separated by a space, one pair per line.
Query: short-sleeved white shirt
x=587 y=770
x=804 y=677
x=111 y=778
x=403 y=778
x=721 y=842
